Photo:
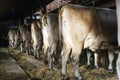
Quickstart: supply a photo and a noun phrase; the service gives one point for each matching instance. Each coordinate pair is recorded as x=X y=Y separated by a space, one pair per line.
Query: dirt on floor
x=37 y=70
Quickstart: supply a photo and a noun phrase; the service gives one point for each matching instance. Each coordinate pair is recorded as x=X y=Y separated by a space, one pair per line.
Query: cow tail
x=44 y=20
x=60 y=28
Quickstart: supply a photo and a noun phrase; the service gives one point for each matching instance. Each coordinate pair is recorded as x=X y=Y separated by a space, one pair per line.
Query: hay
x=40 y=71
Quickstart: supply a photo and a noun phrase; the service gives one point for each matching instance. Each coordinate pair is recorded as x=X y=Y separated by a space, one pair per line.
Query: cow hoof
x=38 y=58
x=110 y=70
x=50 y=69
x=65 y=77
x=76 y=78
x=96 y=67
x=89 y=67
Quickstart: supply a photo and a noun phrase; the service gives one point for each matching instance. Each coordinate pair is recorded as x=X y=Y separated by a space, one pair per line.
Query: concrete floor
x=9 y=68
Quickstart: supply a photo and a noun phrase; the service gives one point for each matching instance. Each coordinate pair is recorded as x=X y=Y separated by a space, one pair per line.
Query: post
x=118 y=18
x=118 y=35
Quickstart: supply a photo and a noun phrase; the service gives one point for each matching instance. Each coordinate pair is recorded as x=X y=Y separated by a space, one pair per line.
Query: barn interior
x=15 y=12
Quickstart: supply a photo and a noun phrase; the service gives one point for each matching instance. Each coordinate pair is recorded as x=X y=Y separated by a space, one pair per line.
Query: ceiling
x=14 y=9
x=18 y=9
x=98 y=3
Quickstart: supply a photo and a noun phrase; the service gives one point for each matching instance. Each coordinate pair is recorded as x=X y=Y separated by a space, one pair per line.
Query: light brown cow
x=26 y=39
x=50 y=37
x=79 y=28
x=36 y=34
x=11 y=35
x=17 y=39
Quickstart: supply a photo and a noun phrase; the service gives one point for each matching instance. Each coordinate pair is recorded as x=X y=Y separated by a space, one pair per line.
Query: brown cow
x=11 y=37
x=36 y=34
x=50 y=37
x=17 y=39
x=25 y=38
x=79 y=28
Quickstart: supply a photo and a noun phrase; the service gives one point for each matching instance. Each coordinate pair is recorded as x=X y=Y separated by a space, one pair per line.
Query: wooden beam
x=56 y=4
x=108 y=4
x=76 y=1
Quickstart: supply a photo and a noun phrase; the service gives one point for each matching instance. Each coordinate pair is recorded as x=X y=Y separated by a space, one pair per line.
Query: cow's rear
x=50 y=37
x=80 y=28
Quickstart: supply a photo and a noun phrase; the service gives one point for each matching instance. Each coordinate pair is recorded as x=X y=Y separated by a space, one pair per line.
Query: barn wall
x=3 y=37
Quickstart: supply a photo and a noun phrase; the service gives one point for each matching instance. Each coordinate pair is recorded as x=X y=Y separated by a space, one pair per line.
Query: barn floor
x=9 y=68
x=37 y=70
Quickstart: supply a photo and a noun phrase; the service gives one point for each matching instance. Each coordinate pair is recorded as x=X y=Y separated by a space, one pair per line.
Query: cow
x=11 y=35
x=25 y=36
x=51 y=38
x=37 y=40
x=79 y=28
x=17 y=39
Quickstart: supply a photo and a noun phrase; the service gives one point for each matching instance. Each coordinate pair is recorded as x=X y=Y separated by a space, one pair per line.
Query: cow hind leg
x=34 y=53
x=10 y=43
x=27 y=48
x=27 y=51
x=50 y=60
x=37 y=54
x=65 y=54
x=111 y=58
x=64 y=66
x=21 y=47
x=76 y=67
x=57 y=62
